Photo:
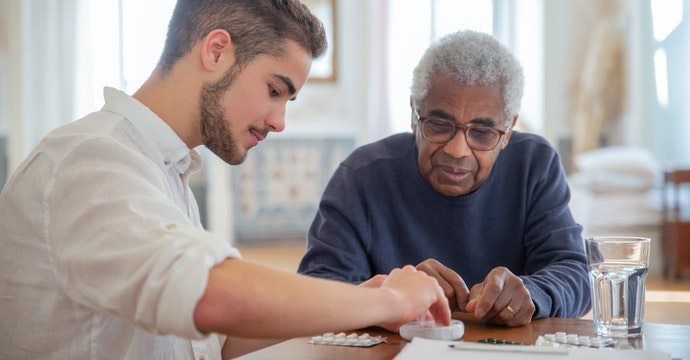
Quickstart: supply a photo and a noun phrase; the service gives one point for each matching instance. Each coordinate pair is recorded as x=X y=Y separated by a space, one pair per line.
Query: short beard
x=215 y=133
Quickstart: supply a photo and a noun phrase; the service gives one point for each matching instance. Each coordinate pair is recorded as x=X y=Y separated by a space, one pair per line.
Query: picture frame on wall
x=324 y=69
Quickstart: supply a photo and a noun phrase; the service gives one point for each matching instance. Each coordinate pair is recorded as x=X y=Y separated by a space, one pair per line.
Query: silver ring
x=510 y=309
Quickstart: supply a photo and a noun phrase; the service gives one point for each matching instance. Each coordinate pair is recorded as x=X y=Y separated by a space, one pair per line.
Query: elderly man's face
x=453 y=168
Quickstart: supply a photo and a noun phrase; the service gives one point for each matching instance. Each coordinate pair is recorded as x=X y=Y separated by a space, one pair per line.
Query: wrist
x=392 y=308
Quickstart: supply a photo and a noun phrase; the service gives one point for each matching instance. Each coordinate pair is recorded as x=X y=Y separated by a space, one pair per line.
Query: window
x=115 y=50
x=670 y=34
x=413 y=25
x=666 y=17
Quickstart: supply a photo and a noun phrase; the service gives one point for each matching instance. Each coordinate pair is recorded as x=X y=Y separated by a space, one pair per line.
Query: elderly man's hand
x=501 y=299
x=375 y=281
x=453 y=285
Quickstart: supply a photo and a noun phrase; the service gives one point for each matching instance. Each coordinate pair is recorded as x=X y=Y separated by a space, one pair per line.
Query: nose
x=276 y=119
x=457 y=146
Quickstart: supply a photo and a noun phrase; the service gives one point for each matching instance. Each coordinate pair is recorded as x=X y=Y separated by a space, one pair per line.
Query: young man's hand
x=417 y=294
x=453 y=285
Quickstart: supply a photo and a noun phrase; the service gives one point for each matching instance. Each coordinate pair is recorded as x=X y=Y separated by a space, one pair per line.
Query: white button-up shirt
x=102 y=254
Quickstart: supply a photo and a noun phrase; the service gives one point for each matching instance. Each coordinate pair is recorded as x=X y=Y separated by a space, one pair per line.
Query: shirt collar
x=173 y=151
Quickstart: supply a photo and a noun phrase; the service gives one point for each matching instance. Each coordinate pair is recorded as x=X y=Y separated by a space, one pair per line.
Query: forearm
x=250 y=300
x=560 y=290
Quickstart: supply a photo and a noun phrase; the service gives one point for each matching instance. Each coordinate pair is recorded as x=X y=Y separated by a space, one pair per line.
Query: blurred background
x=607 y=83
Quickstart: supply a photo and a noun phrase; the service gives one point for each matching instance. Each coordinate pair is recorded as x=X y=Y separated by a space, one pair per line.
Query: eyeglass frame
x=464 y=129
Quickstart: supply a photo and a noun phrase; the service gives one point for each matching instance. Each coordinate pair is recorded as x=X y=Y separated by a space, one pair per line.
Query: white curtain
x=378 y=124
x=38 y=58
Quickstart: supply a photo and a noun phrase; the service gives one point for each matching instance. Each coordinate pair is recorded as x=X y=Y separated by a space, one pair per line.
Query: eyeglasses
x=441 y=131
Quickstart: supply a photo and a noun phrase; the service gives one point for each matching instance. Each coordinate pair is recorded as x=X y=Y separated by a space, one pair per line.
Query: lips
x=453 y=175
x=257 y=135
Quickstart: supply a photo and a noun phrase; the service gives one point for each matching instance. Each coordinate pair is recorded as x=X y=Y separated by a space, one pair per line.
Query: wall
x=568 y=36
x=322 y=127
x=337 y=109
x=11 y=86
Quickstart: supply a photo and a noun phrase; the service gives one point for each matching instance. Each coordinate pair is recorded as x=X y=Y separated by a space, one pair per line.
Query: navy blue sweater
x=378 y=213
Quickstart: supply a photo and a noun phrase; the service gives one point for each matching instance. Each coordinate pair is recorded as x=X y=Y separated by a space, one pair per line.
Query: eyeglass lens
x=477 y=137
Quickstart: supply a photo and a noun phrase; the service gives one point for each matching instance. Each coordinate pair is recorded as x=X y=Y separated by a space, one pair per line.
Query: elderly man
x=465 y=197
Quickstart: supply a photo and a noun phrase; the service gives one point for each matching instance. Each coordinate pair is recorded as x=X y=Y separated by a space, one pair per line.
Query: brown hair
x=255 y=26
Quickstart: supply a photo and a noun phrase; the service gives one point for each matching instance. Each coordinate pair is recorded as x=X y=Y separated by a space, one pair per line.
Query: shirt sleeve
x=121 y=246
x=336 y=242
x=556 y=264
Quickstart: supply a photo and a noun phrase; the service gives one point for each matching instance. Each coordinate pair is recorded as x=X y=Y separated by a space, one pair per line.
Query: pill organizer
x=429 y=330
x=562 y=339
x=341 y=339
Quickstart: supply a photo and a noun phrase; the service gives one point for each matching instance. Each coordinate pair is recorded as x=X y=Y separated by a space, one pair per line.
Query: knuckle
x=500 y=270
x=493 y=287
x=518 y=280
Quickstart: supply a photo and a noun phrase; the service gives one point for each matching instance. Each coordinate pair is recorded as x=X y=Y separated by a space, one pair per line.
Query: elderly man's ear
x=413 y=123
x=504 y=143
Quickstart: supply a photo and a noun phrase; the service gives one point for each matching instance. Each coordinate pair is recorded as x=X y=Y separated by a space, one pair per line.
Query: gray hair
x=471 y=58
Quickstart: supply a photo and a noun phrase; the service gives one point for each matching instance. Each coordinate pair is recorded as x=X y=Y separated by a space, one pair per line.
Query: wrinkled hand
x=501 y=298
x=453 y=285
x=418 y=294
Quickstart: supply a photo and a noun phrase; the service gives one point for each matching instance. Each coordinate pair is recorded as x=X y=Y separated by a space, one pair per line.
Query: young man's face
x=453 y=168
x=236 y=120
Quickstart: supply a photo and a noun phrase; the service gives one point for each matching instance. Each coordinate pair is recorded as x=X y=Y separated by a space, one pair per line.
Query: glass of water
x=617 y=268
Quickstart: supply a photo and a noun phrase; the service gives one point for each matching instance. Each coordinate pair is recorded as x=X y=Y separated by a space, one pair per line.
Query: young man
x=465 y=197
x=103 y=255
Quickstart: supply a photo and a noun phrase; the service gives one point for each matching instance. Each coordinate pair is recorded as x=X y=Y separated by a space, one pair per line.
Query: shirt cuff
x=187 y=281
x=542 y=301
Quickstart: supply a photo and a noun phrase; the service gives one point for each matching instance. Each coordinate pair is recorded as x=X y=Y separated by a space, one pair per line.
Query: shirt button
x=166 y=162
x=171 y=227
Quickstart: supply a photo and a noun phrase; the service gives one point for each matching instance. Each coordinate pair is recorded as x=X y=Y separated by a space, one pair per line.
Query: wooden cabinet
x=676 y=223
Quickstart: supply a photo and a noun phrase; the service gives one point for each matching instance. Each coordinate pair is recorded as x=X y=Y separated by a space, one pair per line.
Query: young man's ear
x=217 y=50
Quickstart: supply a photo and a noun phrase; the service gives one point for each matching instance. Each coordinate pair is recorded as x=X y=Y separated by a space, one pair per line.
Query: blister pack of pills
x=341 y=339
x=561 y=339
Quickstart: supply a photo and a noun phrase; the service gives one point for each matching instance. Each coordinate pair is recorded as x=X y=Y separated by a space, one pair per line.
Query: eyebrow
x=489 y=122
x=290 y=85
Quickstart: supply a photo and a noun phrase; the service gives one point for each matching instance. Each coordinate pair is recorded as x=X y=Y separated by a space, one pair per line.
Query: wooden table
x=674 y=339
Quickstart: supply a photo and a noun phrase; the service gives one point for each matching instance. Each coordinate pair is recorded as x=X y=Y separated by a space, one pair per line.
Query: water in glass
x=618 y=298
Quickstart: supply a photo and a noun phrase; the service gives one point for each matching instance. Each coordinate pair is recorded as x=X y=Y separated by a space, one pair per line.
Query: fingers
x=515 y=315
x=473 y=297
x=502 y=299
x=454 y=288
x=374 y=282
x=488 y=293
x=440 y=311
x=505 y=315
x=421 y=292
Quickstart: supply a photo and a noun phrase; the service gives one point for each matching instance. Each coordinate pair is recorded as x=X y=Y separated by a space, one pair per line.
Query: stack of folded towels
x=617 y=191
